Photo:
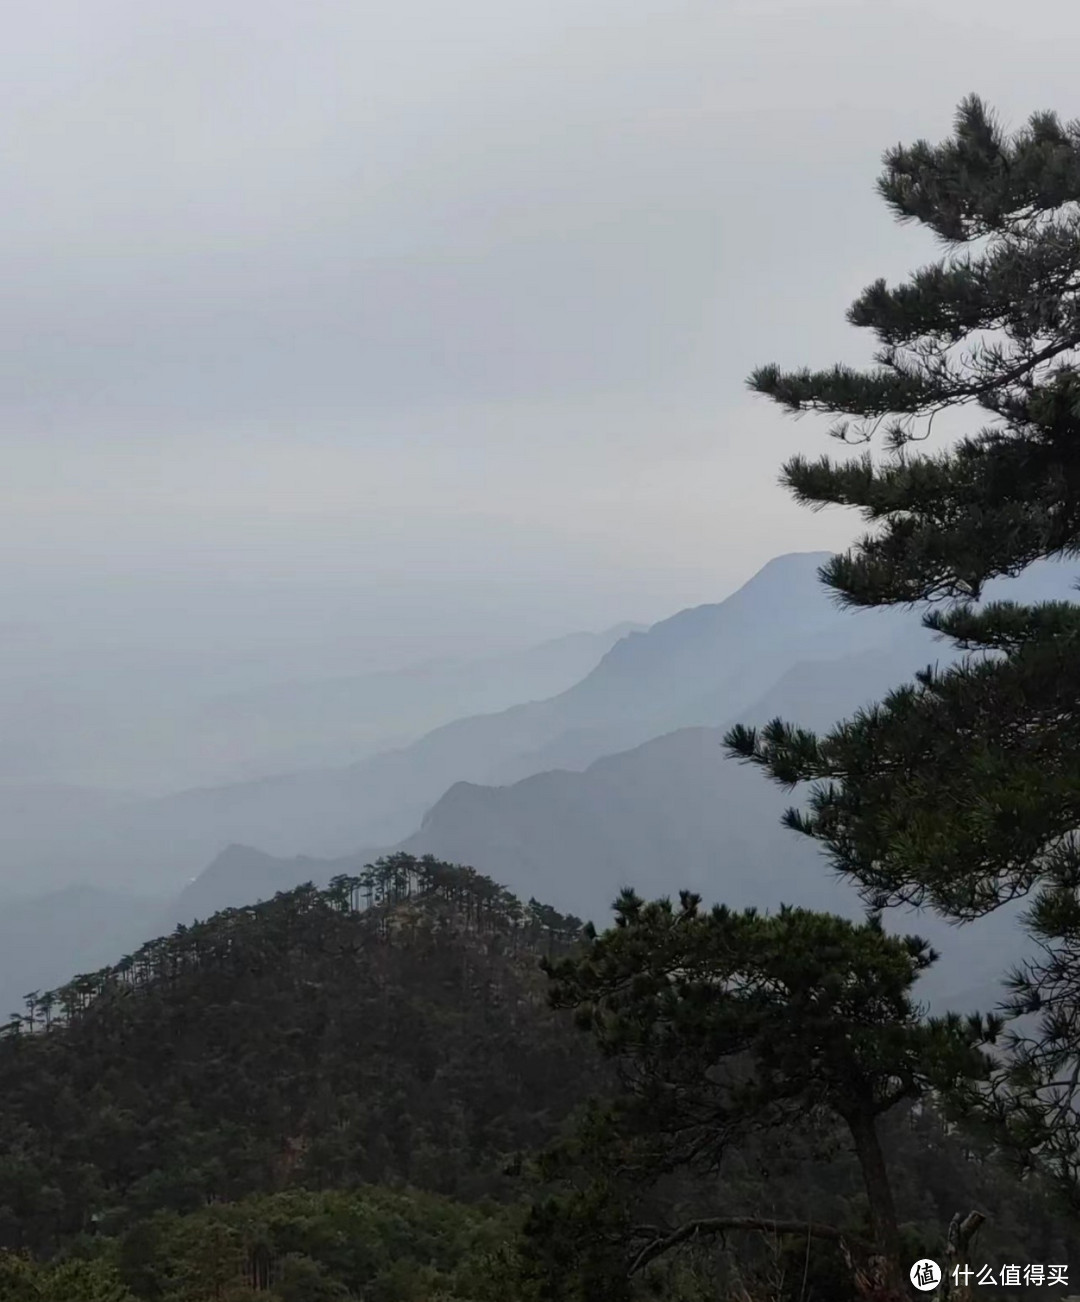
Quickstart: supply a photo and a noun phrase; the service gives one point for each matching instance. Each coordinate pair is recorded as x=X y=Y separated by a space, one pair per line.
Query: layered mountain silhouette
x=654 y=816
x=619 y=780
x=155 y=721
x=674 y=812
x=695 y=668
x=322 y=722
x=670 y=814
x=60 y=834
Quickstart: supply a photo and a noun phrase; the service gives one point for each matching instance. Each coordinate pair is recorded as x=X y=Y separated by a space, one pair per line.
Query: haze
x=337 y=337
x=395 y=575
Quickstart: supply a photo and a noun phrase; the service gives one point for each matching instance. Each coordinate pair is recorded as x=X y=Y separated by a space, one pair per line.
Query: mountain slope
x=647 y=684
x=306 y=1042
x=154 y=720
x=676 y=813
x=282 y=1103
x=668 y=814
x=334 y=721
x=168 y=726
x=701 y=667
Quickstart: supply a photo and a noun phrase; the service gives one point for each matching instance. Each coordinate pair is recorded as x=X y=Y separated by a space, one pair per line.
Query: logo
x=926 y=1274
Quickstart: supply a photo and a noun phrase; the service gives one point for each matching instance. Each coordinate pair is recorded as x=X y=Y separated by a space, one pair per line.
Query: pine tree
x=962 y=790
x=727 y=1024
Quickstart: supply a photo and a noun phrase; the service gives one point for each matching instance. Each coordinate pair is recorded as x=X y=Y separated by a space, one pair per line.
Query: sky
x=425 y=325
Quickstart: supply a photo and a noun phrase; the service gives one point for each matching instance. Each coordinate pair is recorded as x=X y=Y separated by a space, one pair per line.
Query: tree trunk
x=962 y=1231
x=883 y=1224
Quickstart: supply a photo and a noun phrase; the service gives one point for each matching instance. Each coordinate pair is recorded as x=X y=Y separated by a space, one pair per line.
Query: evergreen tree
x=962 y=791
x=724 y=1024
x=308 y=1040
x=23 y=1280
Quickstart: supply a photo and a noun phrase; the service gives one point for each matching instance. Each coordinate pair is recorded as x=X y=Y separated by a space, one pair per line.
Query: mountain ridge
x=326 y=812
x=466 y=801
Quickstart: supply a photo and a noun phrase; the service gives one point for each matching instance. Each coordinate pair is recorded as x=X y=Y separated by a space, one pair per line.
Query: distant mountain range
x=621 y=779
x=696 y=668
x=659 y=815
x=57 y=834
x=323 y=722
x=672 y=813
x=156 y=724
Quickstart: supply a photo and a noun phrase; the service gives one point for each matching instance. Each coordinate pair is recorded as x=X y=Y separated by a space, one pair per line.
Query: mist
x=341 y=342
x=399 y=328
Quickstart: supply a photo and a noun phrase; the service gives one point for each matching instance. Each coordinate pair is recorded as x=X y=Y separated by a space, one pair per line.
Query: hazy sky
x=439 y=311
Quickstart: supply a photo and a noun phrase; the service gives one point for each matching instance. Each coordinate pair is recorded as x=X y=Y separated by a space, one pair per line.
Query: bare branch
x=710 y=1225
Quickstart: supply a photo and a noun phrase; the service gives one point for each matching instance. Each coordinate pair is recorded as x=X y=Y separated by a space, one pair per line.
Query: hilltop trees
x=728 y=1024
x=214 y=1115
x=310 y=1040
x=397 y=891
x=962 y=791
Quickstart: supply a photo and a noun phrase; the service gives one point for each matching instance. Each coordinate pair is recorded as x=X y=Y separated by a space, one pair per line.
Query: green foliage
x=299 y=1246
x=724 y=1026
x=962 y=791
x=23 y=1280
x=322 y=1039
x=818 y=1009
x=206 y=1130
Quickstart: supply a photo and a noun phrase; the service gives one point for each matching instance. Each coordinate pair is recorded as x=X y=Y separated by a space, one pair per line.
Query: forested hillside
x=326 y=1037
x=341 y=1093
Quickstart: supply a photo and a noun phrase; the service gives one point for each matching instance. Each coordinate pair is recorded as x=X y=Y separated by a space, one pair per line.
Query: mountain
x=306 y=1042
x=656 y=816
x=676 y=813
x=319 y=1098
x=672 y=813
x=663 y=812
x=55 y=834
x=157 y=722
x=332 y=721
x=686 y=824
x=701 y=667
x=693 y=668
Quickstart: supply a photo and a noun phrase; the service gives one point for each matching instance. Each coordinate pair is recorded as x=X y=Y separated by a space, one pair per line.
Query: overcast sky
x=440 y=311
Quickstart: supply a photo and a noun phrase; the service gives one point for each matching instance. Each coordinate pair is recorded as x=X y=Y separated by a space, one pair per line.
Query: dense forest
x=375 y=1091
x=391 y=1027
